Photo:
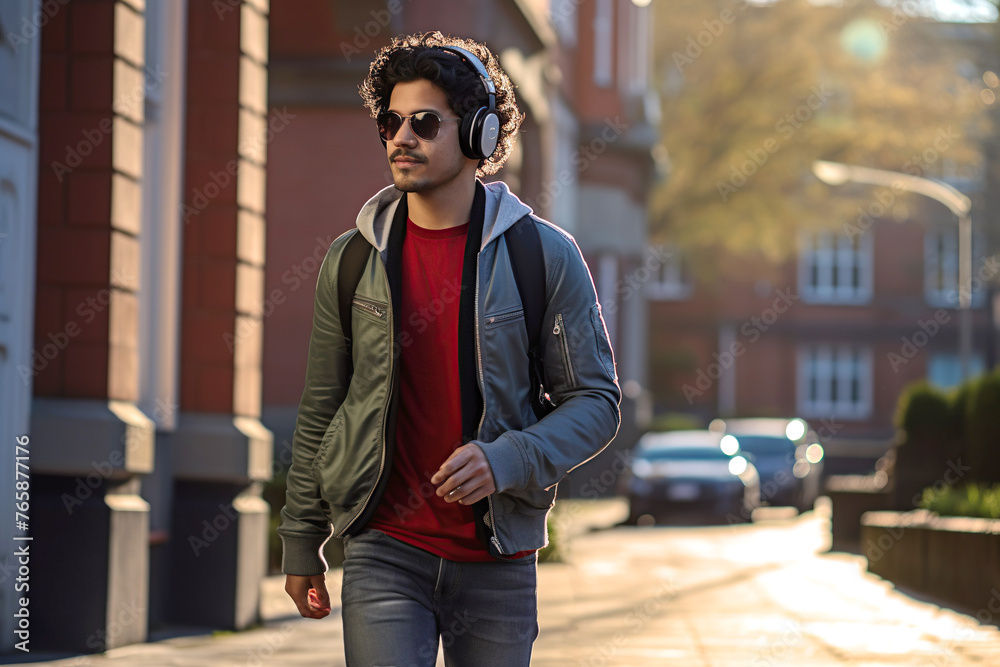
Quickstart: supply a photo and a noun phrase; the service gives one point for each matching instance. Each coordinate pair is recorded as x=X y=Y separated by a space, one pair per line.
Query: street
x=752 y=595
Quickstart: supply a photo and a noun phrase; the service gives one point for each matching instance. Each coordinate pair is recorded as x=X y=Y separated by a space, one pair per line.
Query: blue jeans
x=397 y=600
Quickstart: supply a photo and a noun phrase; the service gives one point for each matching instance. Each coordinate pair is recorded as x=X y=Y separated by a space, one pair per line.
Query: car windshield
x=685 y=454
x=765 y=445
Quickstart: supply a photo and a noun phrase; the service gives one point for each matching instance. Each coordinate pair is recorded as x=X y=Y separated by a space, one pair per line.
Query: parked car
x=788 y=457
x=687 y=474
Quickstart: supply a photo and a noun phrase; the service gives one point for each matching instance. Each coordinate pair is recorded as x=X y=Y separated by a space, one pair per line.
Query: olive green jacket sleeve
x=304 y=528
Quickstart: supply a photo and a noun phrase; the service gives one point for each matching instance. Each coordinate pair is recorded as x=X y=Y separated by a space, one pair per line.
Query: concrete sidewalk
x=760 y=594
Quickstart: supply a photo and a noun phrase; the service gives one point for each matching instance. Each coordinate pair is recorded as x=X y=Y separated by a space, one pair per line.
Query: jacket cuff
x=507 y=461
x=303 y=554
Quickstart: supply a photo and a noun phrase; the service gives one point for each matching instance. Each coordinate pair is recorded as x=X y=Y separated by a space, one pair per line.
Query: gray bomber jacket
x=344 y=433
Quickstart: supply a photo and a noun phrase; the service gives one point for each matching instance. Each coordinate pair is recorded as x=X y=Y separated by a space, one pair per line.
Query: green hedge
x=924 y=413
x=967 y=500
x=939 y=428
x=982 y=426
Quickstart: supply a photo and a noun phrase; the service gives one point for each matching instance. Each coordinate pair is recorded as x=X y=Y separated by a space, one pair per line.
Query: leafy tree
x=753 y=92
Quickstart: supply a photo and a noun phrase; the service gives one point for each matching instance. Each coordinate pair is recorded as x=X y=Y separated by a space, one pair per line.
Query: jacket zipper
x=377 y=310
x=482 y=389
x=560 y=330
x=371 y=306
x=503 y=317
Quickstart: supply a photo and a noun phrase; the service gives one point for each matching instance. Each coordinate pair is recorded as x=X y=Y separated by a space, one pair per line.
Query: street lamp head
x=831 y=173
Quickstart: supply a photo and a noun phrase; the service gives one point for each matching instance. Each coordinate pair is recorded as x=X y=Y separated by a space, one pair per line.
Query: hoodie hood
x=502 y=209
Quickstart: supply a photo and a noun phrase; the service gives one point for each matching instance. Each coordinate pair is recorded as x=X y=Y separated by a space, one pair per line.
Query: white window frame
x=604 y=20
x=672 y=279
x=834 y=255
x=976 y=366
x=563 y=16
x=941 y=277
x=825 y=363
x=634 y=27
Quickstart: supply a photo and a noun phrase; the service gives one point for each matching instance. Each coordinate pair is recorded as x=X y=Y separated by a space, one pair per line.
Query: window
x=941 y=269
x=834 y=268
x=562 y=13
x=945 y=369
x=633 y=48
x=671 y=275
x=603 y=24
x=835 y=381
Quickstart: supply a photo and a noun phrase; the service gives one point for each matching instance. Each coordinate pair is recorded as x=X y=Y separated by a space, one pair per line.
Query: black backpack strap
x=528 y=263
x=352 y=265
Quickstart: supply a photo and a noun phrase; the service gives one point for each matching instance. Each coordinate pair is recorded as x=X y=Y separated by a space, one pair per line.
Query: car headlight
x=737 y=465
x=642 y=468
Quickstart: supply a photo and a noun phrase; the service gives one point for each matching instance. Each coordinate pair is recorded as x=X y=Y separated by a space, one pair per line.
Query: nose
x=404 y=135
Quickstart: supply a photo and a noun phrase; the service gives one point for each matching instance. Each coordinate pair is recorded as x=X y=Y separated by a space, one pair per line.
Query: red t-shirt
x=429 y=421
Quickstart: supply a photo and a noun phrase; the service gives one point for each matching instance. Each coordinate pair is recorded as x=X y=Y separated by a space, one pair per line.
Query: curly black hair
x=411 y=57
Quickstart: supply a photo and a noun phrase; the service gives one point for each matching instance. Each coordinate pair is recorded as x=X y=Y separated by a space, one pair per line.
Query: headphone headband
x=478 y=66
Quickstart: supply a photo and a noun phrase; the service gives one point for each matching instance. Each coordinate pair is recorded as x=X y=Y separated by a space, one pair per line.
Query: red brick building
x=832 y=336
x=132 y=182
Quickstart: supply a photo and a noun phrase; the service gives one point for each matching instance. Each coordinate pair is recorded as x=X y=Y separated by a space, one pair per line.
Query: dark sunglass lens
x=425 y=125
x=389 y=124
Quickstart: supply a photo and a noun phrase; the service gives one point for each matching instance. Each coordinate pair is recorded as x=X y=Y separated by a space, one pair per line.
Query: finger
x=467 y=489
x=306 y=610
x=455 y=462
x=319 y=590
x=316 y=601
x=480 y=492
x=450 y=486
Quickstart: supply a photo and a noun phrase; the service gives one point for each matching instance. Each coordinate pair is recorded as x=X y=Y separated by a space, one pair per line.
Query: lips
x=405 y=162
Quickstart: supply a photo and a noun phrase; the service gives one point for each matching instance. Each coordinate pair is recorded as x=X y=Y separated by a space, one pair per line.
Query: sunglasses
x=425 y=124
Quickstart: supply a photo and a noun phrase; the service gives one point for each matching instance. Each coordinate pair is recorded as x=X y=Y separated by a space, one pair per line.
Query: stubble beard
x=409 y=183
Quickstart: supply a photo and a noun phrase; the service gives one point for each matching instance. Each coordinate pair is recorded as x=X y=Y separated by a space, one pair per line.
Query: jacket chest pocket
x=505 y=317
x=369 y=307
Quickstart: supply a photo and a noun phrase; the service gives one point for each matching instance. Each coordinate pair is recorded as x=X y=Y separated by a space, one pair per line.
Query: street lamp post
x=836 y=173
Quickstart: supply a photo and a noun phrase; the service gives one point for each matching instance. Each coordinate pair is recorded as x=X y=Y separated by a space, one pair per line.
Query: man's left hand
x=466 y=476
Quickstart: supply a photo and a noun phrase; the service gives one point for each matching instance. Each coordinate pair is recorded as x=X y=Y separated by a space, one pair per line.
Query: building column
x=89 y=525
x=221 y=453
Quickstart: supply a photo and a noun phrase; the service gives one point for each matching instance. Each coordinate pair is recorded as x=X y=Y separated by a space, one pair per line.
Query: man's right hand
x=309 y=594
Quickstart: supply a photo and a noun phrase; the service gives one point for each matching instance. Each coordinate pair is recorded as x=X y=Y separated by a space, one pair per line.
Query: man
x=417 y=436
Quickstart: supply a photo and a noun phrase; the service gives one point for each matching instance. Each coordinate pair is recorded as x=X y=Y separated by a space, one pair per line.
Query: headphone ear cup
x=466 y=136
x=488 y=133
